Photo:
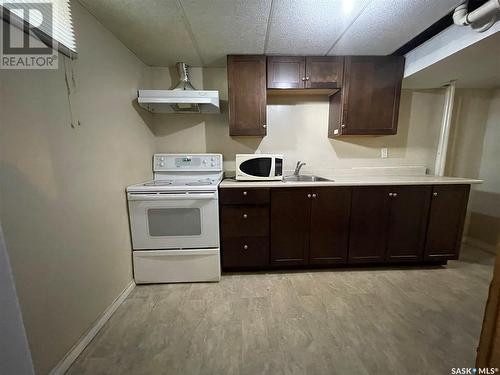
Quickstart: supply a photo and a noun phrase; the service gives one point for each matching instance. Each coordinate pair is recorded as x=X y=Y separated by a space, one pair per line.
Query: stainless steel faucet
x=298 y=167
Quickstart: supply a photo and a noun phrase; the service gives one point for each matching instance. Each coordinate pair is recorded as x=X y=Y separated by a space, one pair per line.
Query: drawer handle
x=394 y=194
x=308 y=195
x=245 y=247
x=314 y=195
x=390 y=194
x=245 y=193
x=435 y=194
x=245 y=216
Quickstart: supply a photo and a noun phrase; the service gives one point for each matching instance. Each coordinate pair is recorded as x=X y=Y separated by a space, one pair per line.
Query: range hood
x=183 y=98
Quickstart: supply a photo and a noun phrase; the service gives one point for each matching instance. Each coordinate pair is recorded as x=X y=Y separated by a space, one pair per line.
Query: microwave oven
x=259 y=167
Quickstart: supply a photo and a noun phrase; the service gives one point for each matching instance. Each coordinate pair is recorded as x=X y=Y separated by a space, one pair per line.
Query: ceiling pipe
x=488 y=9
x=444 y=136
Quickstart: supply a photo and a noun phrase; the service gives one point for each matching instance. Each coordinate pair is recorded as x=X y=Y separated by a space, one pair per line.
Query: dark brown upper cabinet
x=286 y=72
x=368 y=103
x=297 y=72
x=446 y=222
x=246 y=76
x=324 y=72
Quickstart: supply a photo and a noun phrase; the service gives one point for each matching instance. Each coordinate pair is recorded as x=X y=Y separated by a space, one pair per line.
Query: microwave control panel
x=187 y=162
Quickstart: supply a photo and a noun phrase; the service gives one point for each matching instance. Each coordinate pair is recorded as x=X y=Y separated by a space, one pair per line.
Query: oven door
x=174 y=220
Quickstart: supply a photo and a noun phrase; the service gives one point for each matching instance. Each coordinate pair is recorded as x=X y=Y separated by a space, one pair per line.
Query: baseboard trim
x=82 y=343
x=481 y=245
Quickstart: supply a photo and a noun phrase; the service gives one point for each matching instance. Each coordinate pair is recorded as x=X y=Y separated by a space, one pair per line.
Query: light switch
x=384 y=153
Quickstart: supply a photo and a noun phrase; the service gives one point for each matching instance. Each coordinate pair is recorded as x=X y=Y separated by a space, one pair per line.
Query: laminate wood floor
x=343 y=321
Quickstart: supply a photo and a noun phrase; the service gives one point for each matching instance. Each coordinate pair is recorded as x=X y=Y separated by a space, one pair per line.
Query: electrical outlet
x=384 y=153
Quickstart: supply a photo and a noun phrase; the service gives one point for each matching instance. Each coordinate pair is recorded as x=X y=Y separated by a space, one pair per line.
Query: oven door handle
x=164 y=197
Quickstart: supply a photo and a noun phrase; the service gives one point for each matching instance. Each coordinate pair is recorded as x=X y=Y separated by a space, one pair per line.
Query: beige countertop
x=354 y=181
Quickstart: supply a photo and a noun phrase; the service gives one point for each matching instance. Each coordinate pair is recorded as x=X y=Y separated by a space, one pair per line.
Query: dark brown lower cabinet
x=446 y=222
x=329 y=233
x=310 y=225
x=409 y=209
x=245 y=252
x=388 y=223
x=306 y=226
x=369 y=214
x=290 y=220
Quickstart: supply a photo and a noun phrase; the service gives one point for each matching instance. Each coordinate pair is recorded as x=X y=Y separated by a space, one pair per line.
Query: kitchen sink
x=304 y=178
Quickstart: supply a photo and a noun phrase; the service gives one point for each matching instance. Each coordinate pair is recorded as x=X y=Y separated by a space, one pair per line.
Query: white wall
x=473 y=152
x=484 y=222
x=15 y=357
x=297 y=127
x=62 y=194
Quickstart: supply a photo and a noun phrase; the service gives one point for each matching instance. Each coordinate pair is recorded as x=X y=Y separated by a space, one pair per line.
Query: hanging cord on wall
x=69 y=79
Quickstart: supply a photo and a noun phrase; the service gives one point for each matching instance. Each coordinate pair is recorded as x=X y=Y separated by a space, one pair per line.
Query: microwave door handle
x=163 y=197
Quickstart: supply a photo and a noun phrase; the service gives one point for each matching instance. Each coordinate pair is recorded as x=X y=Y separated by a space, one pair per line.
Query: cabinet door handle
x=308 y=195
x=435 y=194
x=390 y=194
x=343 y=126
x=303 y=78
x=394 y=194
x=264 y=126
x=314 y=195
x=245 y=193
x=307 y=78
x=245 y=216
x=245 y=247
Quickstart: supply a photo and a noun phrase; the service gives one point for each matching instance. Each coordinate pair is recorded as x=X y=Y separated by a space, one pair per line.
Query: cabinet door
x=286 y=72
x=323 y=72
x=246 y=77
x=290 y=220
x=446 y=222
x=409 y=210
x=370 y=96
x=329 y=231
x=245 y=252
x=369 y=215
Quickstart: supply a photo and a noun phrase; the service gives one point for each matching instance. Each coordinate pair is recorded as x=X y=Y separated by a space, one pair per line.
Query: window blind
x=51 y=19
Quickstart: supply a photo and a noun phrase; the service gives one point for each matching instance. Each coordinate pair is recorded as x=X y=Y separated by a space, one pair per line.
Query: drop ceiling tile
x=154 y=30
x=386 y=25
x=301 y=27
x=222 y=27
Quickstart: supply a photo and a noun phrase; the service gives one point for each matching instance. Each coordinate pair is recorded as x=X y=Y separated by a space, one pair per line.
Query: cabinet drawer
x=244 y=196
x=240 y=221
x=244 y=252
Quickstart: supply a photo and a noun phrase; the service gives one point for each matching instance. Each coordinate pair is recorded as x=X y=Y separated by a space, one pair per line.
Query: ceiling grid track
x=187 y=24
x=347 y=28
x=268 y=27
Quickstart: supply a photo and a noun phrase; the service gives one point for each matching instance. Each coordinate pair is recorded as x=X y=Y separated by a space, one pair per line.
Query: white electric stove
x=174 y=220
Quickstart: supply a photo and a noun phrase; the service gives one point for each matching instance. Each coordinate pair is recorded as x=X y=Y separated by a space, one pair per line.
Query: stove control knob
x=213 y=164
x=162 y=164
x=162 y=158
